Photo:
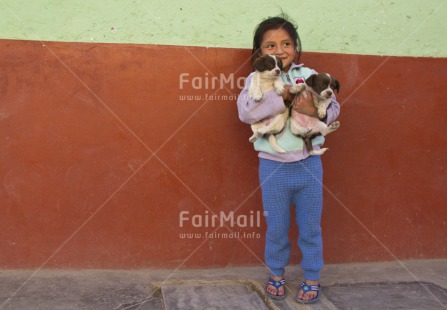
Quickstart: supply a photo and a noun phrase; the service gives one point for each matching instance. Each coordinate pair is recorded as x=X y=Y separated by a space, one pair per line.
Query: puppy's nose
x=329 y=93
x=277 y=71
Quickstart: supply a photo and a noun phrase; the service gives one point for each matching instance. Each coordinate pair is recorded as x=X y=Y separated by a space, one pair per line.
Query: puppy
x=322 y=87
x=267 y=77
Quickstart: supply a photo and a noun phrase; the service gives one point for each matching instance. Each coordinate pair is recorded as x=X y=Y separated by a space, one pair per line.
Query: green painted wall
x=399 y=27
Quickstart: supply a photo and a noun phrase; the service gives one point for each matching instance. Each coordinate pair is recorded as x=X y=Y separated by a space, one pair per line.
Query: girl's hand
x=305 y=106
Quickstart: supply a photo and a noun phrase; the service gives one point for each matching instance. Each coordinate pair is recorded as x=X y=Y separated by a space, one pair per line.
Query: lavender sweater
x=272 y=104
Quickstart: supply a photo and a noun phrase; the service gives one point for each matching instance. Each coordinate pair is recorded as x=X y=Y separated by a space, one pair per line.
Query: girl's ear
x=279 y=63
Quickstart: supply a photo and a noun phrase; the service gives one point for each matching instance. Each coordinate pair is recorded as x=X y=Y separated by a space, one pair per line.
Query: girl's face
x=278 y=42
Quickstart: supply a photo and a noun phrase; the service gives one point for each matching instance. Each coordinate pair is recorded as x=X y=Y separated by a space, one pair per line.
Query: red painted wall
x=100 y=155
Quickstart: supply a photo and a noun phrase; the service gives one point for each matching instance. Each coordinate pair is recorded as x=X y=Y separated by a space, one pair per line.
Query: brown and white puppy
x=267 y=77
x=322 y=87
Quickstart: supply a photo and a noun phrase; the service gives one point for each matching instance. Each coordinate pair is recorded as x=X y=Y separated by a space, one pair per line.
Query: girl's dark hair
x=274 y=23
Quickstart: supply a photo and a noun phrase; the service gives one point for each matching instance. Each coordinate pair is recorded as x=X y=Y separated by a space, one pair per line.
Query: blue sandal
x=276 y=285
x=309 y=288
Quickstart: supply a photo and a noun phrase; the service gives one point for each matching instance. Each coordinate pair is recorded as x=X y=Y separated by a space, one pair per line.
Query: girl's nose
x=279 y=49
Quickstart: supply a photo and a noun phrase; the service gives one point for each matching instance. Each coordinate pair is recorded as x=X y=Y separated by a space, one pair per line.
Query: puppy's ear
x=279 y=63
x=255 y=57
x=310 y=80
x=335 y=85
x=259 y=64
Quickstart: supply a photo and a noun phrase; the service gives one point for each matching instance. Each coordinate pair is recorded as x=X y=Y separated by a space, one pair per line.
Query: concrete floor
x=418 y=285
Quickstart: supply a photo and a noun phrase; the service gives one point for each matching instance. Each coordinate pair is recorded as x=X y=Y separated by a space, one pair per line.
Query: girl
x=292 y=178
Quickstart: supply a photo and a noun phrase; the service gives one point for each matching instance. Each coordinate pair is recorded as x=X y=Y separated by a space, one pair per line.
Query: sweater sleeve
x=251 y=111
x=332 y=112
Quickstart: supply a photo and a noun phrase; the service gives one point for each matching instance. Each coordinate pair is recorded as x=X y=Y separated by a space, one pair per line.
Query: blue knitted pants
x=300 y=184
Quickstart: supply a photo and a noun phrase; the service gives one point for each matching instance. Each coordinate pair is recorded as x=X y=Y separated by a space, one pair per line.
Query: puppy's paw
x=334 y=125
x=253 y=138
x=297 y=88
x=320 y=152
x=279 y=90
x=257 y=96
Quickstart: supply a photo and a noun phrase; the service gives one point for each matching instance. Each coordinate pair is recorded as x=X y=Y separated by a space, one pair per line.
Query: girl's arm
x=251 y=111
x=306 y=106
